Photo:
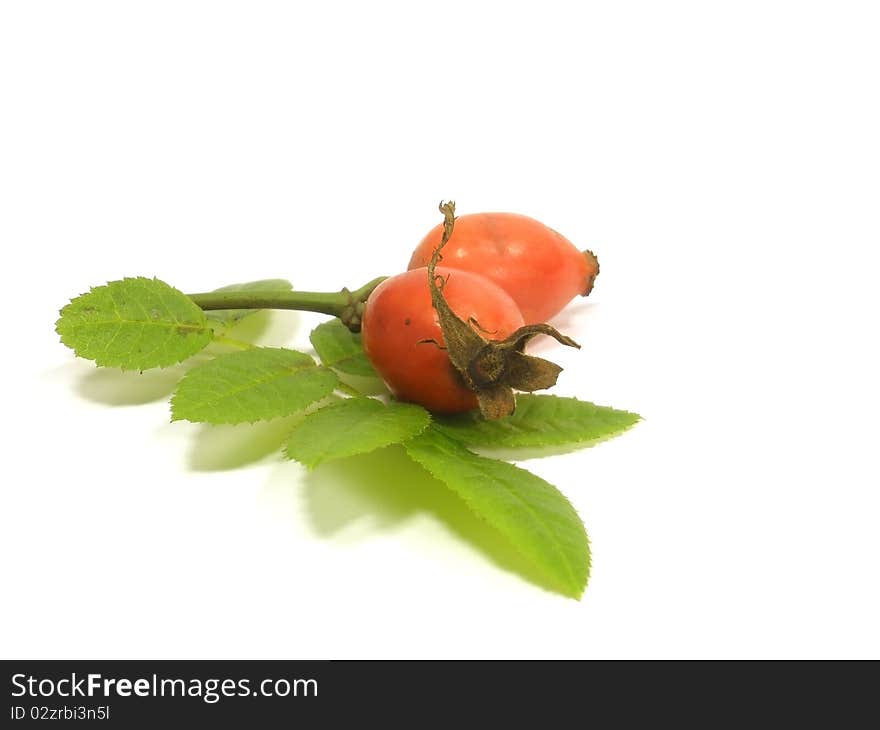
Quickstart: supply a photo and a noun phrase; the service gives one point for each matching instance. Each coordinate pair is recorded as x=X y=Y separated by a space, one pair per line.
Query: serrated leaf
x=537 y=519
x=226 y=318
x=353 y=426
x=540 y=420
x=134 y=324
x=251 y=385
x=341 y=349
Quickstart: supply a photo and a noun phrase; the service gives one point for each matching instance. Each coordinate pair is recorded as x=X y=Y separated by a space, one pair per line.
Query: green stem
x=232 y=342
x=345 y=304
x=347 y=389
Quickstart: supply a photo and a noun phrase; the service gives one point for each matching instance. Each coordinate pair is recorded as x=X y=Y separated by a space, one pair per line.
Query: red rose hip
x=541 y=269
x=401 y=333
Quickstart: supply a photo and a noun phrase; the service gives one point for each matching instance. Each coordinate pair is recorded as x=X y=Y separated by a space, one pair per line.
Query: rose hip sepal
x=492 y=369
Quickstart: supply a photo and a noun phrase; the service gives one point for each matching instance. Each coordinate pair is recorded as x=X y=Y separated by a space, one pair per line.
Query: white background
x=723 y=159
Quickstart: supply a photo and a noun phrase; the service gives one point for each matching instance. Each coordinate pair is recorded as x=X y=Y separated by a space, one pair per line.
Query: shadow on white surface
x=113 y=387
x=226 y=447
x=381 y=490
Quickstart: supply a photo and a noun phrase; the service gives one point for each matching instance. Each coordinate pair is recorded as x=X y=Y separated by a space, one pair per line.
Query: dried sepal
x=490 y=368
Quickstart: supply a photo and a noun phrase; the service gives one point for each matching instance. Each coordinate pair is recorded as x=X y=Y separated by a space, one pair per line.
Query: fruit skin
x=398 y=318
x=541 y=269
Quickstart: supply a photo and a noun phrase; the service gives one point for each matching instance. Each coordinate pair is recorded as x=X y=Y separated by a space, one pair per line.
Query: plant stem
x=345 y=304
x=347 y=389
x=232 y=342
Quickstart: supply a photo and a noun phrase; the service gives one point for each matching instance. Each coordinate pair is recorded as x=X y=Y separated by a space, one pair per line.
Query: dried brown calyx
x=493 y=369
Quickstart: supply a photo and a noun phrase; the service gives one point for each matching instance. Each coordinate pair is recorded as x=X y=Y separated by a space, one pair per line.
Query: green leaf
x=537 y=519
x=134 y=324
x=226 y=318
x=251 y=385
x=353 y=426
x=540 y=420
x=341 y=349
